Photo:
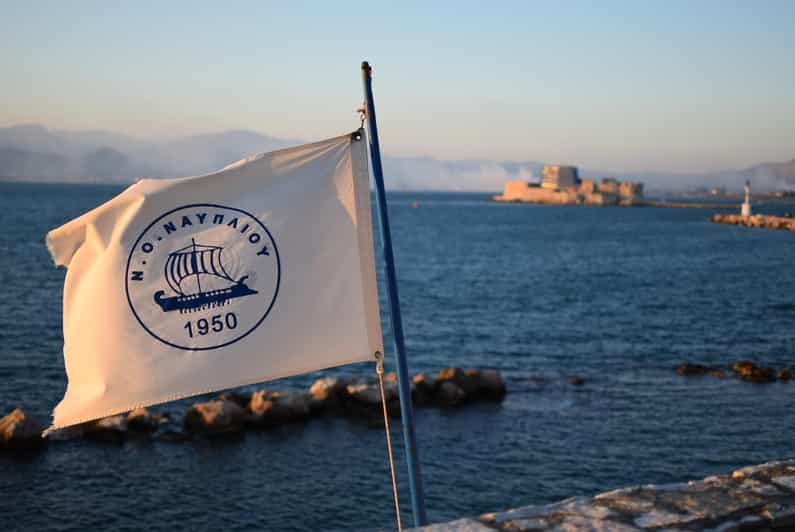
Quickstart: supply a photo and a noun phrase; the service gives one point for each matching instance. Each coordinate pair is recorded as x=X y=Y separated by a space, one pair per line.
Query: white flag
x=178 y=287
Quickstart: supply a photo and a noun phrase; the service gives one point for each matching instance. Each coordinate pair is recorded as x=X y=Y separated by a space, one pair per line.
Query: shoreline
x=757 y=497
x=656 y=204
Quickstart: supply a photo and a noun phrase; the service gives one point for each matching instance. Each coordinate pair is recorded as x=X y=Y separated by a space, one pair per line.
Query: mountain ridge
x=35 y=152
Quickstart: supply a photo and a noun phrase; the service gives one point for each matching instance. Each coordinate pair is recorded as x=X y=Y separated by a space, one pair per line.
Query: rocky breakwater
x=758 y=220
x=754 y=498
x=232 y=413
x=742 y=369
x=20 y=432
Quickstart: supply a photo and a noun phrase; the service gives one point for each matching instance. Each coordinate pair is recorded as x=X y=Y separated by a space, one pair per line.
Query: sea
x=616 y=296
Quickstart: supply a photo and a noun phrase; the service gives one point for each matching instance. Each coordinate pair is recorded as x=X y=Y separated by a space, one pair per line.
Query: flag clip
x=379 y=362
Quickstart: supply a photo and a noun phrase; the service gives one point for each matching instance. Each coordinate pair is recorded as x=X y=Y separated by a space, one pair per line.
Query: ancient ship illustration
x=193 y=262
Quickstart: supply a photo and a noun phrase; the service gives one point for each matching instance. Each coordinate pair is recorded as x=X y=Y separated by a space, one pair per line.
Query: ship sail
x=194 y=260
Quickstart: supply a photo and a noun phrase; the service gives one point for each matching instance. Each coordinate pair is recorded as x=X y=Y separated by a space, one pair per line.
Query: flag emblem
x=202 y=276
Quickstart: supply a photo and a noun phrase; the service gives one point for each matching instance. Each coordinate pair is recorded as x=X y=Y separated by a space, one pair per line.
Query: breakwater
x=689 y=205
x=232 y=412
x=757 y=220
x=760 y=497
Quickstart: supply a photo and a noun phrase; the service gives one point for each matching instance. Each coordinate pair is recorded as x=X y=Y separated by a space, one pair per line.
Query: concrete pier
x=760 y=497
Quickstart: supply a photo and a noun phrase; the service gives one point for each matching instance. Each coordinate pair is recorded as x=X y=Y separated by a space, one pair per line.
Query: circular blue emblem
x=202 y=276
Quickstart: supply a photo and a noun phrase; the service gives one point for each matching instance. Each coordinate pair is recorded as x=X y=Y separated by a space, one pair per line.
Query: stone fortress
x=561 y=185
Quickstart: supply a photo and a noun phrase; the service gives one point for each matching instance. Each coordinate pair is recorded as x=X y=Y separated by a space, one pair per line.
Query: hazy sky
x=640 y=85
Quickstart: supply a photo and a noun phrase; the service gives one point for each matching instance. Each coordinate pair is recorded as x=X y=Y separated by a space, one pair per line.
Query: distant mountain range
x=34 y=152
x=37 y=152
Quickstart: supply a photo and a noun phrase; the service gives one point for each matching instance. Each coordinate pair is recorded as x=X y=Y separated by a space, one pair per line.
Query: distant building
x=561 y=185
x=560 y=177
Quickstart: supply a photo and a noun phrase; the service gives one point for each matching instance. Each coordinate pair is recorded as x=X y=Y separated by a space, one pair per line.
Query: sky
x=667 y=86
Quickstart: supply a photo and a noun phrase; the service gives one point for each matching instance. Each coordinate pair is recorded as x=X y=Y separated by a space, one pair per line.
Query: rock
x=475 y=385
x=271 y=409
x=576 y=380
x=490 y=385
x=449 y=394
x=242 y=399
x=748 y=371
x=214 y=417
x=424 y=389
x=370 y=394
x=365 y=394
x=784 y=374
x=112 y=429
x=690 y=370
x=296 y=404
x=467 y=382
x=459 y=525
x=743 y=366
x=141 y=420
x=780 y=516
x=365 y=400
x=18 y=431
x=261 y=401
x=327 y=388
x=328 y=394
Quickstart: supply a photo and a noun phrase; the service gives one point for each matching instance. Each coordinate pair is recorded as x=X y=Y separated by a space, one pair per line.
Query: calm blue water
x=618 y=296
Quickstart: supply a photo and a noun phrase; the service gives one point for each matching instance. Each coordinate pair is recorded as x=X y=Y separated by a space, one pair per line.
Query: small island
x=561 y=185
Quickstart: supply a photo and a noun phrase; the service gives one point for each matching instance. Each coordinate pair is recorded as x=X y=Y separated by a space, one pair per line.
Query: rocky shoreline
x=233 y=412
x=757 y=220
x=760 y=497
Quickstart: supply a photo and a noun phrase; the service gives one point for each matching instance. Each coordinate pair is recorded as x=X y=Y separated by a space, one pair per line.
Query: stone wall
x=754 y=498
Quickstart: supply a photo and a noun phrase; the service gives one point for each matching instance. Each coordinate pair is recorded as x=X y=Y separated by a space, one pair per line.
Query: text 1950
x=214 y=324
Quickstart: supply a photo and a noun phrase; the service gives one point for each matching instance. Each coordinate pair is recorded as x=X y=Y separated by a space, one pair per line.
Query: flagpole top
x=366 y=70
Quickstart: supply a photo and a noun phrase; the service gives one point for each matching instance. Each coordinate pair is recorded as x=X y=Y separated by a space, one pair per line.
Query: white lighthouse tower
x=746 y=208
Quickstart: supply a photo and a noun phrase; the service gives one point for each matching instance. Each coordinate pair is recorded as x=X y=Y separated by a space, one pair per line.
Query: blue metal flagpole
x=406 y=411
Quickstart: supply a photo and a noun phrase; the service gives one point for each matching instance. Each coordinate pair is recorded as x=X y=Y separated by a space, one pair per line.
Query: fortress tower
x=558 y=177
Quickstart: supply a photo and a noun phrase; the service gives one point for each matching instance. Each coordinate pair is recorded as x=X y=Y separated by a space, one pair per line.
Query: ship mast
x=195 y=264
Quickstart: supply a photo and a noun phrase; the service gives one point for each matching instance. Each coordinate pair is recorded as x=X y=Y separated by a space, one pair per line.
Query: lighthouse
x=746 y=208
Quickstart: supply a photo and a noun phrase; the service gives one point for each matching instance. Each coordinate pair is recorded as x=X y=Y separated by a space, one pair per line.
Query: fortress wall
x=587 y=186
x=514 y=189
x=609 y=187
x=631 y=190
x=520 y=191
x=599 y=198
